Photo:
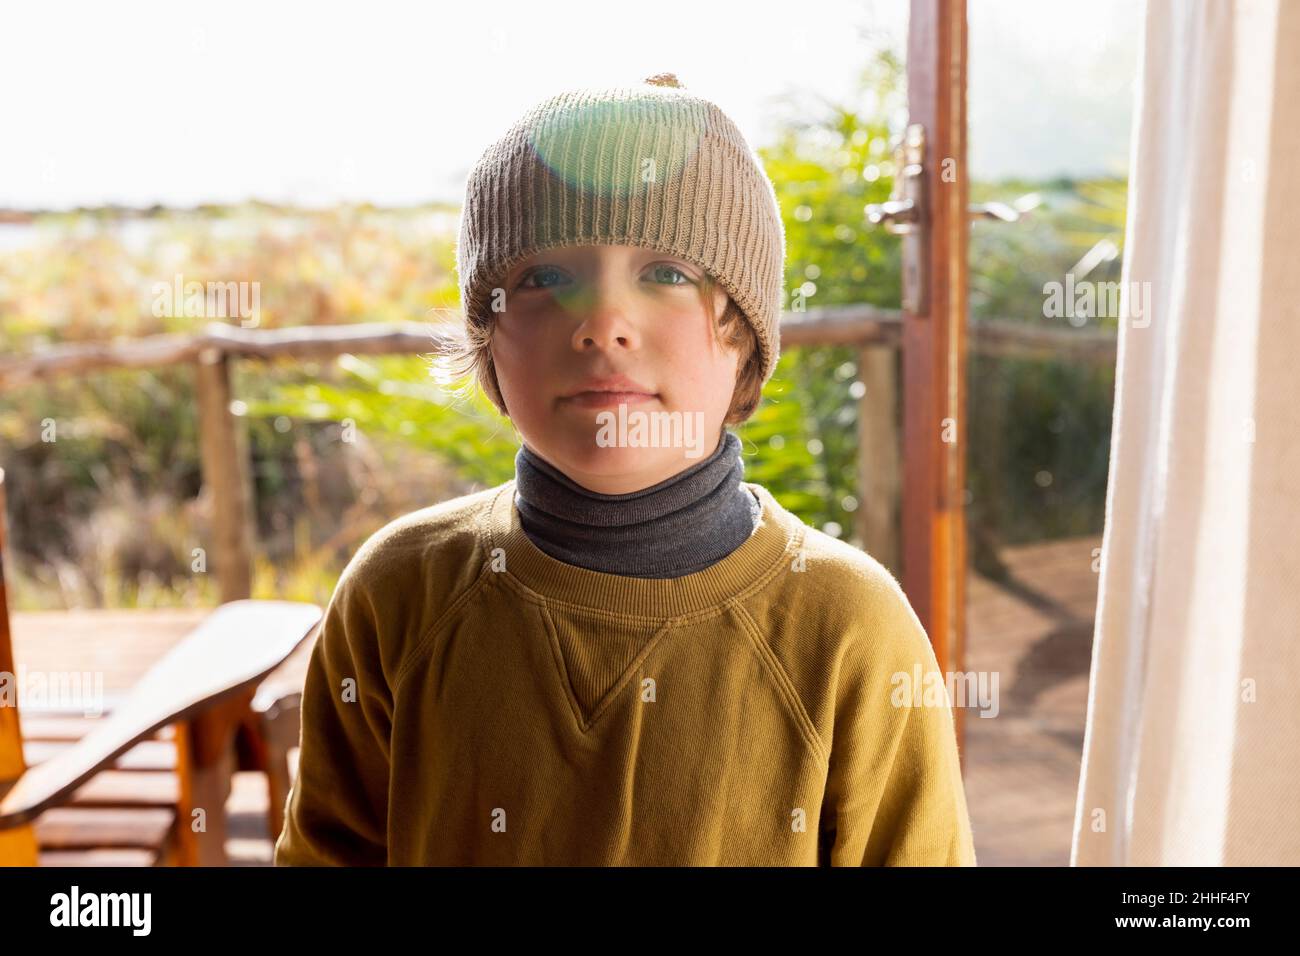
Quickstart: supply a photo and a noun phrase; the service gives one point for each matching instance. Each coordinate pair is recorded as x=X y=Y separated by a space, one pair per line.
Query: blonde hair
x=468 y=351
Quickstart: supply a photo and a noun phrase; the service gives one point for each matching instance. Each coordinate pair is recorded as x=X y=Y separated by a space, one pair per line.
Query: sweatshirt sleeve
x=337 y=809
x=894 y=793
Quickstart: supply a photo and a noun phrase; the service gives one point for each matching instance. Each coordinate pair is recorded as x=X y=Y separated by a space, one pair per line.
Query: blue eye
x=539 y=271
x=663 y=269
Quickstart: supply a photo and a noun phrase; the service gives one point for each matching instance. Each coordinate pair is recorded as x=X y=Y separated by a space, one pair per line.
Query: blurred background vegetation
x=108 y=514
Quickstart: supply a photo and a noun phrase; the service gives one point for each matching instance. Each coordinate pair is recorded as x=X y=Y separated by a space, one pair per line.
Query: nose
x=606 y=323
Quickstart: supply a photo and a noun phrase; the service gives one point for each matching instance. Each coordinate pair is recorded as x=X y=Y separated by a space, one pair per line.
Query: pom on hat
x=664 y=79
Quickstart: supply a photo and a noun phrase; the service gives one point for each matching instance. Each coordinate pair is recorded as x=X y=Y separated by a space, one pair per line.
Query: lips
x=610 y=390
x=610 y=383
x=607 y=399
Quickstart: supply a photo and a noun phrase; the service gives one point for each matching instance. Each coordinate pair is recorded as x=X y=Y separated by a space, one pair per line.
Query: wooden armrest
x=236 y=646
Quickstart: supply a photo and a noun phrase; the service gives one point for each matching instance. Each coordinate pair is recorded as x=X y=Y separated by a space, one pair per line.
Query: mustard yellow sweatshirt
x=471 y=700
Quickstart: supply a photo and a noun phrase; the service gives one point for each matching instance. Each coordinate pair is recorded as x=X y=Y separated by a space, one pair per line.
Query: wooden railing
x=876 y=333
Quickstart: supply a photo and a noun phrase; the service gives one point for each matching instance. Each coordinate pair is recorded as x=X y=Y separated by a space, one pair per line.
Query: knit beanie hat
x=649 y=165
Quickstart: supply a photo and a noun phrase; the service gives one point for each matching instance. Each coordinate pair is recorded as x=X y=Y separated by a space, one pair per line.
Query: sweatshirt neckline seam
x=492 y=522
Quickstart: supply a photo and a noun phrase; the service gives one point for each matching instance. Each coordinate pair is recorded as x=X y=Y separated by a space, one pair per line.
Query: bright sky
x=144 y=102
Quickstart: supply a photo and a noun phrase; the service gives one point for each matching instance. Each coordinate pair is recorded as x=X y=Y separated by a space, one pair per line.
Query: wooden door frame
x=934 y=340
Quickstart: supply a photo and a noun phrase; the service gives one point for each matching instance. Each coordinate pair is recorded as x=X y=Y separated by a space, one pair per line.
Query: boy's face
x=580 y=313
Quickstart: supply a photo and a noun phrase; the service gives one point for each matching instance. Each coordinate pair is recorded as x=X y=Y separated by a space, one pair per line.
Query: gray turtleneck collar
x=682 y=525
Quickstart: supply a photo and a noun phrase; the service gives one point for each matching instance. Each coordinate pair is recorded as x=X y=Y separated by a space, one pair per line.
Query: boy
x=626 y=655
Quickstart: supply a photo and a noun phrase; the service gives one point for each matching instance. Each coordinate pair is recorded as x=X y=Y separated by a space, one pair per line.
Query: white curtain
x=1192 y=750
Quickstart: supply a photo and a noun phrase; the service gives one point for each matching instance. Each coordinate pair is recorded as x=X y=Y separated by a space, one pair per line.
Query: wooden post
x=878 y=455
x=934 y=337
x=206 y=743
x=223 y=453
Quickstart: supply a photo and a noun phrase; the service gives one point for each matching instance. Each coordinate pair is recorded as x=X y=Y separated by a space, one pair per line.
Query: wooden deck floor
x=1022 y=766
